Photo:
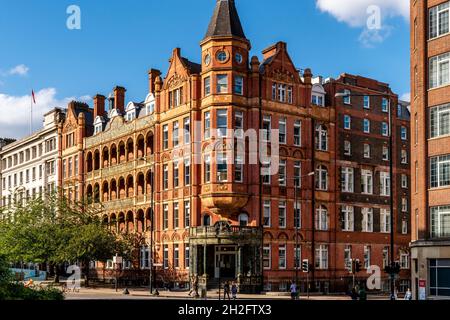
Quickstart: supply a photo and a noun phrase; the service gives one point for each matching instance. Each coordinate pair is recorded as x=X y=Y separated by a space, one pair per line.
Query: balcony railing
x=228 y=232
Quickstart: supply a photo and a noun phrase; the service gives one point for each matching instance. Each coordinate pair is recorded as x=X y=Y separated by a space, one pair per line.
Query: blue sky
x=120 y=40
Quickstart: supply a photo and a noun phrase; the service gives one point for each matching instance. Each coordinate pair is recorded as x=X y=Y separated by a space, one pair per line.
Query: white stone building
x=29 y=167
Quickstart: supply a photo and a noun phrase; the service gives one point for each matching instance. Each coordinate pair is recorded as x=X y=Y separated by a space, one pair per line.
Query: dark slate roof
x=225 y=21
x=193 y=67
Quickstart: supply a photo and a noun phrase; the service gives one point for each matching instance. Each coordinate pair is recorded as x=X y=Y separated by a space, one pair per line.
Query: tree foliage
x=54 y=231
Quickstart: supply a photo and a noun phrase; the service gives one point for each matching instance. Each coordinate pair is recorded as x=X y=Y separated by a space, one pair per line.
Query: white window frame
x=348 y=218
x=366 y=125
x=282 y=215
x=347 y=180
x=347 y=122
x=385 y=184
x=366 y=182
x=435 y=23
x=385 y=221
x=298 y=133
x=282 y=130
x=367 y=219
x=267 y=214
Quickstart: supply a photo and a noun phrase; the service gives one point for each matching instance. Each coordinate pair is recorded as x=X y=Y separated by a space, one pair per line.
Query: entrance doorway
x=225 y=262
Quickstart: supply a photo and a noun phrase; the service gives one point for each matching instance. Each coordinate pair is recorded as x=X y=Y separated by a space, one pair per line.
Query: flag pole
x=31 y=113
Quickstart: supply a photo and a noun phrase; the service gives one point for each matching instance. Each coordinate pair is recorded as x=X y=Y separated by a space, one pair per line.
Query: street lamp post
x=391 y=269
x=297 y=184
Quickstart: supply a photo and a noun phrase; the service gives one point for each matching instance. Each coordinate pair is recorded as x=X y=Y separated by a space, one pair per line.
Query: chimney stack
x=152 y=75
x=119 y=98
x=99 y=105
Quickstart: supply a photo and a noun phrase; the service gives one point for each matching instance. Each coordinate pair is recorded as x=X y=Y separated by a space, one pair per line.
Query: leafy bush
x=10 y=290
x=17 y=291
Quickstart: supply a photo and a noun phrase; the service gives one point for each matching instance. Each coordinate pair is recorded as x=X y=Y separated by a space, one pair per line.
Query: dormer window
x=98 y=125
x=98 y=128
x=131 y=115
x=150 y=108
x=149 y=104
x=318 y=95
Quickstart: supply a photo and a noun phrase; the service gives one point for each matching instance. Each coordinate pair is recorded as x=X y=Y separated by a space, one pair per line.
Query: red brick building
x=430 y=107
x=217 y=213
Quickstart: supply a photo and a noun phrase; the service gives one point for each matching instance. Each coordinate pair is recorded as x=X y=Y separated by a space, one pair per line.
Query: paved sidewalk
x=143 y=294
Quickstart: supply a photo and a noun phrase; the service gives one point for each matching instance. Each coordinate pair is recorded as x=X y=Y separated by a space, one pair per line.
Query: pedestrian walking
x=408 y=294
x=362 y=294
x=293 y=290
x=226 y=290
x=354 y=294
x=234 y=290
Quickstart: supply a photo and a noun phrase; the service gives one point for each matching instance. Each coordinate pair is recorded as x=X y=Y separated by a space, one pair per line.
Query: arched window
x=322 y=178
x=322 y=218
x=206 y=220
x=321 y=138
x=243 y=219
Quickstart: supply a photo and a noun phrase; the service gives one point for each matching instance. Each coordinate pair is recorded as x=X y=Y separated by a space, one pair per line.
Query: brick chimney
x=99 y=105
x=119 y=98
x=152 y=75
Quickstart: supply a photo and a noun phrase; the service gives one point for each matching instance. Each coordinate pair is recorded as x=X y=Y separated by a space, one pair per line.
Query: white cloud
x=16 y=110
x=371 y=15
x=354 y=12
x=406 y=97
x=20 y=70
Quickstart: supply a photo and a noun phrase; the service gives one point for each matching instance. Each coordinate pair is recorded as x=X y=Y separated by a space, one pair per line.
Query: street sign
x=157 y=264
x=422 y=289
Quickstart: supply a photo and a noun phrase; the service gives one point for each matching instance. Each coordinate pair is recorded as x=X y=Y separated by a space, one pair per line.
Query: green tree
x=54 y=231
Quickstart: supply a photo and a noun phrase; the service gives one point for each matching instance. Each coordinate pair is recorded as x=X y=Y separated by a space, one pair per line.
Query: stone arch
x=89 y=162
x=121 y=222
x=140 y=147
x=283 y=236
x=96 y=196
x=130 y=186
x=129 y=221
x=105 y=157
x=96 y=159
x=140 y=221
x=113 y=221
x=105 y=191
x=268 y=236
x=121 y=188
x=140 y=184
x=148 y=218
x=283 y=152
x=113 y=187
x=130 y=149
x=113 y=154
x=298 y=154
x=121 y=152
x=89 y=192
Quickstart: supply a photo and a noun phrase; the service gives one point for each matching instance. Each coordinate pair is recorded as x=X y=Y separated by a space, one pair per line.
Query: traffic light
x=305 y=266
x=357 y=266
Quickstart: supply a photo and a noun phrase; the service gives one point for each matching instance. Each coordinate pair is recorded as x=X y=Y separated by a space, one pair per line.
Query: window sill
x=439 y=87
x=438 y=37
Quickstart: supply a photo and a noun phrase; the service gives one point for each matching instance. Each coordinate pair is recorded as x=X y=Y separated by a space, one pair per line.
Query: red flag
x=34 y=98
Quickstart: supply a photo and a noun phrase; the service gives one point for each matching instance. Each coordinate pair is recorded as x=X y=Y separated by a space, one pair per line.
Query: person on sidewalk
x=293 y=291
x=226 y=290
x=234 y=290
x=408 y=294
x=362 y=294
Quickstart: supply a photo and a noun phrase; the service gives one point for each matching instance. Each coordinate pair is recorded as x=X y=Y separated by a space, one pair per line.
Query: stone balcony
x=228 y=235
